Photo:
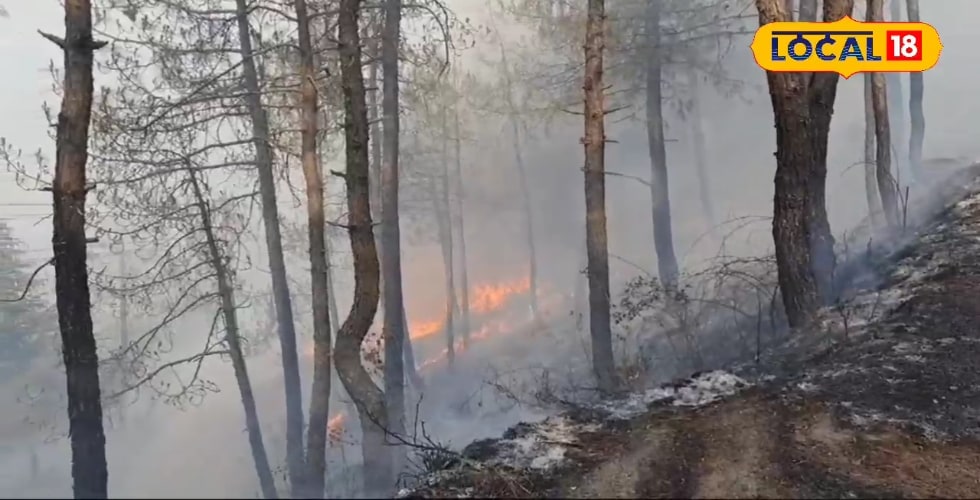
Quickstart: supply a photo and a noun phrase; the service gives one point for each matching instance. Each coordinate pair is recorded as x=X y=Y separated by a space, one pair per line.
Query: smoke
x=200 y=450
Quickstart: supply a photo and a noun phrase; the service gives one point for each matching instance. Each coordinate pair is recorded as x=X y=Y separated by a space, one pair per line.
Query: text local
x=801 y=49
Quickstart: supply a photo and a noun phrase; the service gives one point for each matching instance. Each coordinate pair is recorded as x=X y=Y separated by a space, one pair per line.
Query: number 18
x=905 y=46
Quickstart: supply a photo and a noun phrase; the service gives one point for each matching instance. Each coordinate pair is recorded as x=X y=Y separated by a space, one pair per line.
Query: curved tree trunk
x=273 y=241
x=88 y=461
x=368 y=398
x=316 y=438
x=663 y=235
x=597 y=242
x=233 y=337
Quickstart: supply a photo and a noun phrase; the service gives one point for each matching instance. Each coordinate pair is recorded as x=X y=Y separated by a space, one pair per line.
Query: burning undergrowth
x=884 y=388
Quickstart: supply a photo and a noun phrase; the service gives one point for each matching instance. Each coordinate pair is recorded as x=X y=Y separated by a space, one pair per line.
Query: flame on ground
x=483 y=299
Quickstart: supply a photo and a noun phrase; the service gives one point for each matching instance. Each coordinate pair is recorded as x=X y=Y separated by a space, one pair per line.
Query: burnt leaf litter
x=881 y=398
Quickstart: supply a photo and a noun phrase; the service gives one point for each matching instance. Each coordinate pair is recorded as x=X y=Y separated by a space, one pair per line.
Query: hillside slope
x=882 y=400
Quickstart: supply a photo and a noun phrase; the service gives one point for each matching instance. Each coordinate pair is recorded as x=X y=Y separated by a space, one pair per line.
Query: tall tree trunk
x=316 y=437
x=532 y=253
x=870 y=178
x=368 y=398
x=410 y=367
x=394 y=325
x=233 y=337
x=896 y=111
x=88 y=463
x=887 y=186
x=331 y=295
x=273 y=241
x=663 y=237
x=595 y=198
x=821 y=93
x=700 y=150
x=464 y=280
x=917 y=119
x=802 y=108
x=443 y=224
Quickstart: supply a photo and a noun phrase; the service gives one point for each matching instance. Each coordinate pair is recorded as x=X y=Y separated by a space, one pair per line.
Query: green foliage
x=27 y=324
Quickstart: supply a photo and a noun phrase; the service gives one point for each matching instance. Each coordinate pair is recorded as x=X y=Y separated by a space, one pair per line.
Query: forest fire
x=484 y=299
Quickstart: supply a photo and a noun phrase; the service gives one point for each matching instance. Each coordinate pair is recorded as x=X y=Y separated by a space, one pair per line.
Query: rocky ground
x=883 y=399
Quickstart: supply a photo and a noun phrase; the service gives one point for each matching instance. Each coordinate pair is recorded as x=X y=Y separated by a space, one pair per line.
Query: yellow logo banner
x=846 y=47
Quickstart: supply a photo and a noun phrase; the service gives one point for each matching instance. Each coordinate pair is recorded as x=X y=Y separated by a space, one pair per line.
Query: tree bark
x=802 y=108
x=700 y=150
x=870 y=177
x=367 y=397
x=663 y=237
x=233 y=337
x=821 y=93
x=896 y=112
x=595 y=198
x=917 y=117
x=88 y=463
x=887 y=186
x=316 y=438
x=443 y=224
x=273 y=240
x=394 y=326
x=464 y=280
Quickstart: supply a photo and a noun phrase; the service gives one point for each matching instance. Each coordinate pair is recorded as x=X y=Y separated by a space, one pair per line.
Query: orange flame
x=486 y=298
x=483 y=299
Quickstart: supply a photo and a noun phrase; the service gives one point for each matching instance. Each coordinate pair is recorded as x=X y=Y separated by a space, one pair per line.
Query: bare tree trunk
x=700 y=151
x=394 y=326
x=88 y=463
x=273 y=240
x=316 y=437
x=802 y=108
x=821 y=94
x=896 y=112
x=917 y=117
x=595 y=198
x=410 y=367
x=887 y=187
x=663 y=237
x=464 y=280
x=870 y=178
x=512 y=111
x=368 y=398
x=440 y=204
x=233 y=337
x=331 y=295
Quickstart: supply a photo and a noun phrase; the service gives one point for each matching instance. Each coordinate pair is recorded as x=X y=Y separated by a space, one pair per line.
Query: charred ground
x=883 y=399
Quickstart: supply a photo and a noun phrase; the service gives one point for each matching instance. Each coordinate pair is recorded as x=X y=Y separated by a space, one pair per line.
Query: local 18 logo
x=846 y=47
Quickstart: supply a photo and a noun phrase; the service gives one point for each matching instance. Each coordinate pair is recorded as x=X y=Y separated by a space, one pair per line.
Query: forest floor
x=881 y=399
